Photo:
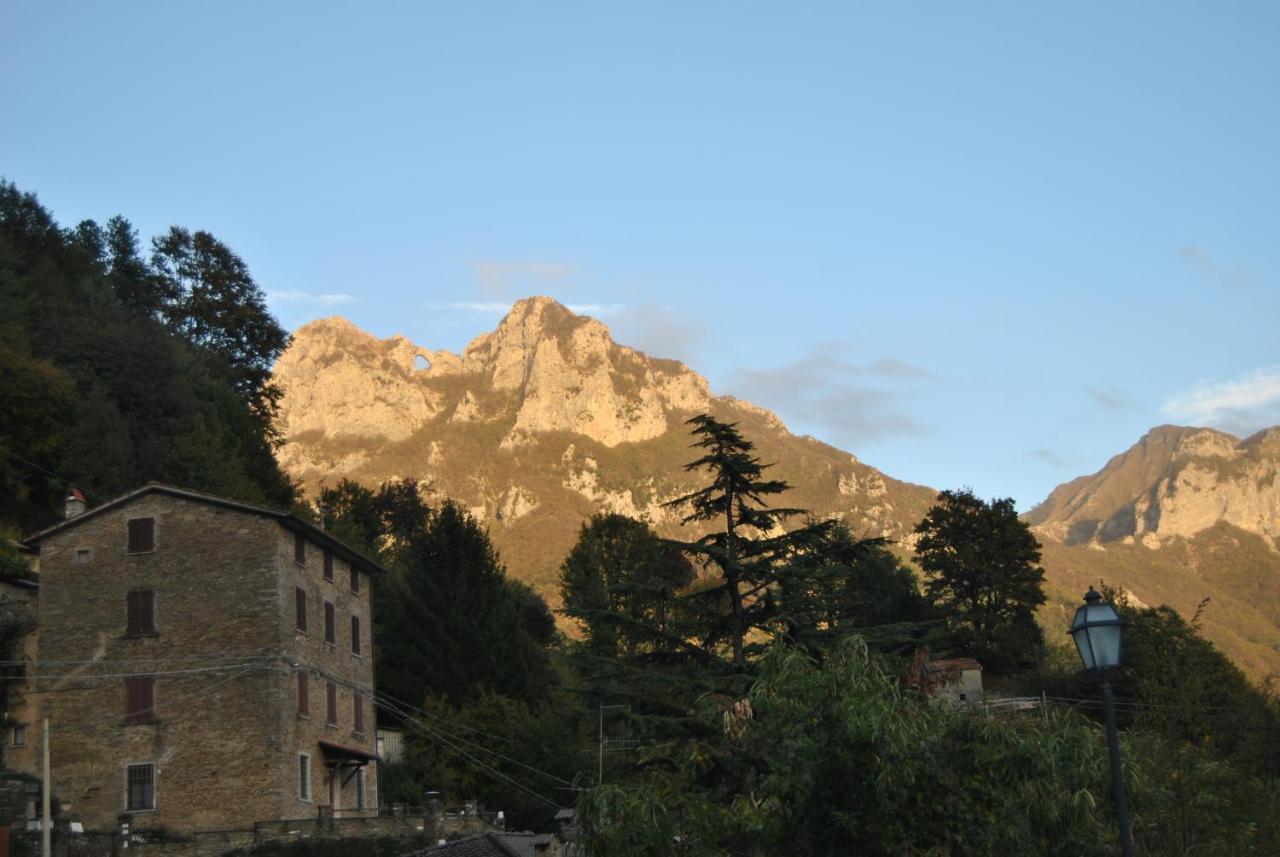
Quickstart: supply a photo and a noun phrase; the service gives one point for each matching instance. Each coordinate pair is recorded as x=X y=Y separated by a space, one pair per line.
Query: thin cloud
x=504 y=307
x=848 y=402
x=321 y=299
x=1241 y=405
x=1046 y=455
x=1237 y=278
x=661 y=332
x=1108 y=400
x=512 y=279
x=595 y=309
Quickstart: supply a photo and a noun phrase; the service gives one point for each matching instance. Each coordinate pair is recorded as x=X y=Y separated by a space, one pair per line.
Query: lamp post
x=1096 y=630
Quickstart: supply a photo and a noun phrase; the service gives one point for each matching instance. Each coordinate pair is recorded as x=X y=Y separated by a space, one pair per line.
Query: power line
x=439 y=739
x=54 y=475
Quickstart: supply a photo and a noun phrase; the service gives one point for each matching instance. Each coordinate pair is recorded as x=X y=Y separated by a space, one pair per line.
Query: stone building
x=18 y=614
x=204 y=664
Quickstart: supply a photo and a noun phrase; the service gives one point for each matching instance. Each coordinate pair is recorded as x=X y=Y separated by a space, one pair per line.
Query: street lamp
x=1096 y=630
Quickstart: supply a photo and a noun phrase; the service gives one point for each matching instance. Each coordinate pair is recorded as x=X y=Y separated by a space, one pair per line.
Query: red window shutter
x=330 y=631
x=359 y=712
x=140 y=699
x=355 y=635
x=304 y=698
x=142 y=535
x=300 y=597
x=328 y=565
x=331 y=704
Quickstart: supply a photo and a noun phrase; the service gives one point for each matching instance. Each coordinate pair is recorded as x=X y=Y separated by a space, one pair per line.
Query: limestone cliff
x=1174 y=482
x=539 y=424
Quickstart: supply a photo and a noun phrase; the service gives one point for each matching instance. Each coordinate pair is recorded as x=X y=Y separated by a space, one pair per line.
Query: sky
x=975 y=244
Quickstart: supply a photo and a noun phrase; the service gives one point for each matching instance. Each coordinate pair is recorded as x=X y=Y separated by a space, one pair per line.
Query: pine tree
x=741 y=546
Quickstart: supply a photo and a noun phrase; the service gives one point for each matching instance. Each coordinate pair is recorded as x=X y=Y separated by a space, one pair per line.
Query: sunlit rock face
x=1174 y=482
x=537 y=425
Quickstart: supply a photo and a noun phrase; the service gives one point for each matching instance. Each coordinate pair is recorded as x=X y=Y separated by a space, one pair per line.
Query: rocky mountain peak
x=1176 y=481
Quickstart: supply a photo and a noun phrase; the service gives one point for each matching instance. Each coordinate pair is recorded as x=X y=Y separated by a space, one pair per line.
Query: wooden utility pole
x=46 y=822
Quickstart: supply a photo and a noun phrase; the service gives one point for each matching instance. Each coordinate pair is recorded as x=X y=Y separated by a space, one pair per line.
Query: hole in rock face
x=421 y=363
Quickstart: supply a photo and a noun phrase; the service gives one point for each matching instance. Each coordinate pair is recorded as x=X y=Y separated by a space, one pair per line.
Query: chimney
x=74 y=504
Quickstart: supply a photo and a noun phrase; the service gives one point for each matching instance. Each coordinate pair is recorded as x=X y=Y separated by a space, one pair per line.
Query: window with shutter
x=142 y=535
x=330 y=631
x=140 y=699
x=304 y=698
x=140 y=616
x=304 y=777
x=331 y=704
x=328 y=565
x=355 y=635
x=300 y=608
x=299 y=549
x=357 y=713
x=141 y=788
x=355 y=580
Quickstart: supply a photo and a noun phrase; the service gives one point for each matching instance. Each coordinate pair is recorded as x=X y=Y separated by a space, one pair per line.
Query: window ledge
x=141 y=635
x=139 y=721
x=139 y=811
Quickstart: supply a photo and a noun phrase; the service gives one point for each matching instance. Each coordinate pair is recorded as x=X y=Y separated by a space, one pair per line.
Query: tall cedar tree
x=982 y=569
x=734 y=502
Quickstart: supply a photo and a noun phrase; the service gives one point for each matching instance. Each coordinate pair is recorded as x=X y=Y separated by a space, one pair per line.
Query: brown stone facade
x=169 y=672
x=20 y=724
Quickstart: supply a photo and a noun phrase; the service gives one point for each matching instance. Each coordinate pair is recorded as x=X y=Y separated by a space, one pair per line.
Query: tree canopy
x=981 y=566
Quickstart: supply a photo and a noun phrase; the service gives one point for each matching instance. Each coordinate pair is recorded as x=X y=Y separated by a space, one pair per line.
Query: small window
x=357 y=712
x=140 y=699
x=331 y=704
x=140 y=612
x=141 y=788
x=328 y=566
x=360 y=788
x=330 y=629
x=83 y=555
x=20 y=735
x=299 y=549
x=355 y=635
x=355 y=580
x=304 y=777
x=300 y=608
x=142 y=535
x=304 y=697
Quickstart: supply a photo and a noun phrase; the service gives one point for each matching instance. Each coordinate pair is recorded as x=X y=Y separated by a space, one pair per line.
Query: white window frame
x=155 y=786
x=19 y=732
x=304 y=783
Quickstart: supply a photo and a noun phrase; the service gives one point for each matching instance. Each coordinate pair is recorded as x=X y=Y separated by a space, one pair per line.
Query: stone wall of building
x=21 y=727
x=213 y=572
x=323 y=662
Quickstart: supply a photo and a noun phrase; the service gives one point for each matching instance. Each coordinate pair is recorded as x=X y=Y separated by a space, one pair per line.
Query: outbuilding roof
x=954 y=664
x=286 y=519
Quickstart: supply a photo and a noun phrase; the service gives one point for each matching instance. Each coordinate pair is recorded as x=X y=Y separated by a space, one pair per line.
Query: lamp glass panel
x=1082 y=644
x=1105 y=641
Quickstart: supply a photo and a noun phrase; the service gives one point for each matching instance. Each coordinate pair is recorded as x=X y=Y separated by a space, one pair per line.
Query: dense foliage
x=981 y=566
x=116 y=370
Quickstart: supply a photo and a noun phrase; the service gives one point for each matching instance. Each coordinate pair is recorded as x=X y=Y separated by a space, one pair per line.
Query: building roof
x=286 y=519
x=954 y=664
x=492 y=845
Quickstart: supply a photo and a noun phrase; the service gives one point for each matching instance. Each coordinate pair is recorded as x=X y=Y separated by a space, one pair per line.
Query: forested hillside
x=121 y=365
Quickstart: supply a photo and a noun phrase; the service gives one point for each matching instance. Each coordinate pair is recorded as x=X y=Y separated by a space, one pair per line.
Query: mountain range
x=546 y=420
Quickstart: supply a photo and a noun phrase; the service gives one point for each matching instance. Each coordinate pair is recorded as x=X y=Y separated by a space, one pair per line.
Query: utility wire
x=54 y=475
x=440 y=740
x=405 y=707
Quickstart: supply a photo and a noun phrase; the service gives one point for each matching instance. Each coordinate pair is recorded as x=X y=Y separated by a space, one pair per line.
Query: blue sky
x=983 y=244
